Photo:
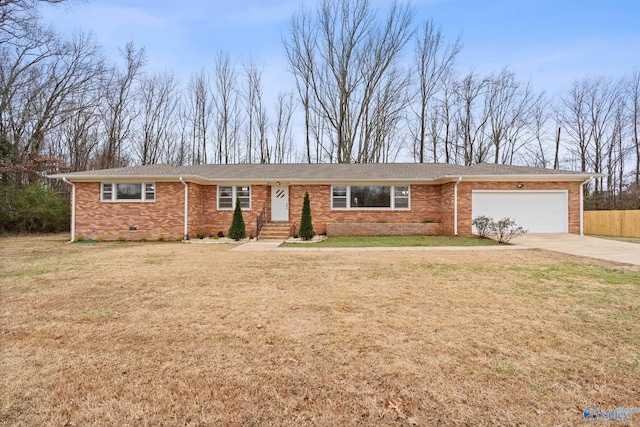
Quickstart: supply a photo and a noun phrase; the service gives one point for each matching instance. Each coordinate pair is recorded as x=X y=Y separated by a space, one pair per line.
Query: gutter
x=73 y=208
x=455 y=206
x=582 y=184
x=186 y=210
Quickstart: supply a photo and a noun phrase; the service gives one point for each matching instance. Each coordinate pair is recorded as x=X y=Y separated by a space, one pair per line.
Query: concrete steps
x=275 y=230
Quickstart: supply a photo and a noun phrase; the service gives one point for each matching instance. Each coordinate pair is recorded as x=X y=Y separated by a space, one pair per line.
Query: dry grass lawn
x=179 y=334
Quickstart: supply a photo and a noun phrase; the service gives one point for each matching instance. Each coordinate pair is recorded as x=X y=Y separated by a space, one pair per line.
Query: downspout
x=455 y=206
x=73 y=208
x=582 y=184
x=186 y=210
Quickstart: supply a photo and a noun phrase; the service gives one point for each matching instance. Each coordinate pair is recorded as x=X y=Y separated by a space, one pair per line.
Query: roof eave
x=521 y=177
x=346 y=181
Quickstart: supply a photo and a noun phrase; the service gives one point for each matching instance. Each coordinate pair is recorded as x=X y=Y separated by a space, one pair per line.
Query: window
x=339 y=197
x=227 y=196
x=401 y=197
x=370 y=197
x=149 y=191
x=107 y=192
x=128 y=192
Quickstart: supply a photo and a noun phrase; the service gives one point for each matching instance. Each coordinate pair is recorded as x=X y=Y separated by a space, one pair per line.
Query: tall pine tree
x=306 y=227
x=237 y=230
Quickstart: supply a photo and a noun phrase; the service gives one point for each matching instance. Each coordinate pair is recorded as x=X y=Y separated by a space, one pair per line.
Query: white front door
x=279 y=203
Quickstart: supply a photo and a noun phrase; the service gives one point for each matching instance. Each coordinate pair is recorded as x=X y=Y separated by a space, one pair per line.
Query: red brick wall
x=386 y=229
x=211 y=220
x=464 y=200
x=425 y=205
x=446 y=201
x=112 y=220
x=165 y=216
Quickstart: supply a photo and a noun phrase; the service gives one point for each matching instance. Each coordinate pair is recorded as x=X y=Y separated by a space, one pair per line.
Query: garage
x=536 y=211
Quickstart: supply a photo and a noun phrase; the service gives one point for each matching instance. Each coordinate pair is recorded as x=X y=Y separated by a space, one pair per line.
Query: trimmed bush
x=237 y=230
x=306 y=227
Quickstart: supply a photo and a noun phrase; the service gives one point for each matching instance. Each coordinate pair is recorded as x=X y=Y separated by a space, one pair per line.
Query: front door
x=280 y=203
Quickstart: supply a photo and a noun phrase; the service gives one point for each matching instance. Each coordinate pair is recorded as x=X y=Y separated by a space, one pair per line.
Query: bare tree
x=471 y=119
x=538 y=151
x=343 y=54
x=590 y=121
x=227 y=114
x=299 y=49
x=283 y=150
x=575 y=120
x=256 y=115
x=616 y=153
x=22 y=66
x=378 y=141
x=77 y=138
x=199 y=114
x=159 y=102
x=433 y=62
x=44 y=94
x=44 y=82
x=634 y=119
x=508 y=106
x=119 y=109
x=19 y=19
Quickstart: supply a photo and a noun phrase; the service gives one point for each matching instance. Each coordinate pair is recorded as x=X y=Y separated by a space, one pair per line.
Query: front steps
x=275 y=230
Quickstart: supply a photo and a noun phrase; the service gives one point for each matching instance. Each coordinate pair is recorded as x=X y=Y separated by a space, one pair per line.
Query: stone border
x=315 y=239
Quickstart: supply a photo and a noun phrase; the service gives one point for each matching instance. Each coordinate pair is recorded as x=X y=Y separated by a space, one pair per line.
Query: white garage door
x=536 y=211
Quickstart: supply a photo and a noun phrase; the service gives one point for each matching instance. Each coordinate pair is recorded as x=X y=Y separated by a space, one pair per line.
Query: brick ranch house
x=174 y=202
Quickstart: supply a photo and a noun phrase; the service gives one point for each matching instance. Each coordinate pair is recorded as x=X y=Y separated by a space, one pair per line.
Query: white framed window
x=401 y=197
x=376 y=197
x=228 y=194
x=128 y=192
x=107 y=192
x=149 y=191
x=339 y=198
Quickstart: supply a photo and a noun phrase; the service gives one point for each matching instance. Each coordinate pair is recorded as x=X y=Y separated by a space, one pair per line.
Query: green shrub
x=306 y=227
x=33 y=209
x=237 y=230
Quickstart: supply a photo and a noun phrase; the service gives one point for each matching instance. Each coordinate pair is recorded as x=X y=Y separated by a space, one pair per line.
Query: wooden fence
x=612 y=223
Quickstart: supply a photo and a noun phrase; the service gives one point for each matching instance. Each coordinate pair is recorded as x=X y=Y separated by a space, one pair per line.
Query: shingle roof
x=318 y=172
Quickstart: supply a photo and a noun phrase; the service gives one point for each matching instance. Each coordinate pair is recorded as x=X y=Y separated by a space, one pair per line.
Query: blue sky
x=551 y=42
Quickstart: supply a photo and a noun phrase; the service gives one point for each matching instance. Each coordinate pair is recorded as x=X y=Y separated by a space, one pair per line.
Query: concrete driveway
x=591 y=247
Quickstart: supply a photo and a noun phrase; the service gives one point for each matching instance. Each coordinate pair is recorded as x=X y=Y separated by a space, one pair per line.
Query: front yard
x=176 y=334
